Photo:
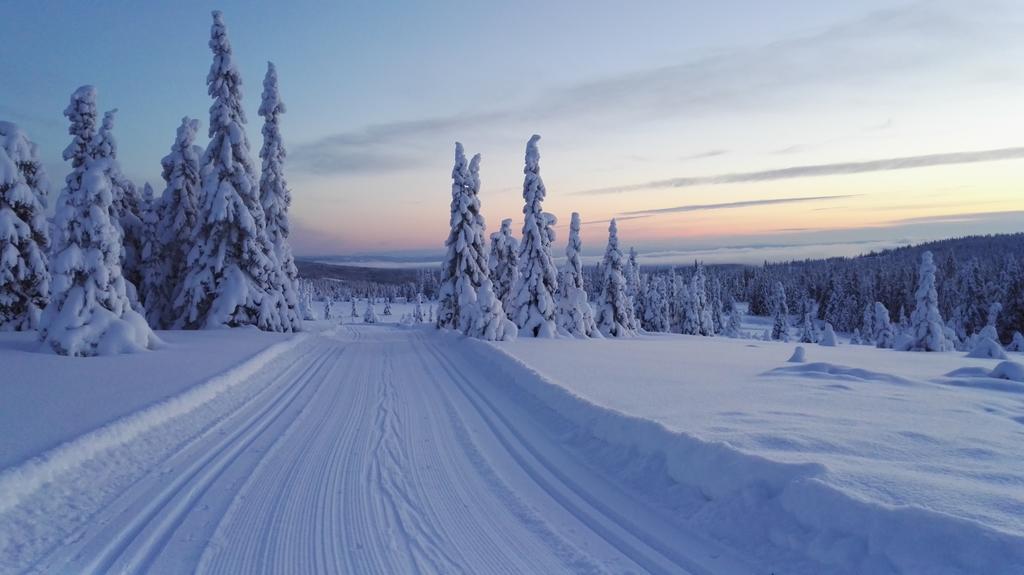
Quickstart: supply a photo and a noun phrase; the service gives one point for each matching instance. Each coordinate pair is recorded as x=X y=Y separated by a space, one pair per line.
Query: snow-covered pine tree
x=883 y=333
x=417 y=312
x=152 y=286
x=175 y=226
x=780 y=314
x=699 y=302
x=275 y=197
x=234 y=277
x=24 y=232
x=656 y=308
x=575 y=316
x=464 y=266
x=867 y=330
x=632 y=273
x=733 y=328
x=534 y=291
x=491 y=323
x=503 y=264
x=125 y=206
x=370 y=316
x=808 y=331
x=689 y=315
x=828 y=337
x=89 y=312
x=614 y=310
x=926 y=332
x=354 y=313
x=329 y=308
x=387 y=306
x=715 y=303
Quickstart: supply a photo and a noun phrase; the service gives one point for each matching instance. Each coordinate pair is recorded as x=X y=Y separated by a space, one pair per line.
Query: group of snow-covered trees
x=513 y=287
x=210 y=251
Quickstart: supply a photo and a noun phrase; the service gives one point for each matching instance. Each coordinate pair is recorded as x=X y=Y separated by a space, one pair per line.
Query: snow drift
x=765 y=506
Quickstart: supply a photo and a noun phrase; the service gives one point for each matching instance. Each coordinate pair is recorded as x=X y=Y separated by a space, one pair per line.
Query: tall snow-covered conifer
x=503 y=264
x=575 y=315
x=234 y=277
x=780 y=313
x=179 y=213
x=464 y=266
x=614 y=311
x=24 y=232
x=926 y=331
x=125 y=206
x=534 y=292
x=275 y=197
x=90 y=312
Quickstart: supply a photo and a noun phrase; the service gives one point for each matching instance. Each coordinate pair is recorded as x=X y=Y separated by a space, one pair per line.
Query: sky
x=731 y=131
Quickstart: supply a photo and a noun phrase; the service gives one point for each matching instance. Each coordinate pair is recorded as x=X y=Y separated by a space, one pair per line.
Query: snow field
x=812 y=468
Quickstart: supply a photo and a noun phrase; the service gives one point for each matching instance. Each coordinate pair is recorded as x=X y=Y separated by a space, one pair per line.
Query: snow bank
x=763 y=505
x=18 y=482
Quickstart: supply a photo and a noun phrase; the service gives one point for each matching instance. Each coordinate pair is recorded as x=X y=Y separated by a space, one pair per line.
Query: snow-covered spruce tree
x=1016 y=343
x=417 y=312
x=370 y=316
x=534 y=292
x=574 y=315
x=491 y=323
x=329 y=308
x=614 y=310
x=24 y=232
x=125 y=206
x=808 y=331
x=632 y=273
x=656 y=308
x=867 y=330
x=926 y=332
x=699 y=302
x=503 y=264
x=275 y=197
x=234 y=277
x=354 y=313
x=828 y=337
x=780 y=314
x=733 y=328
x=89 y=312
x=387 y=307
x=715 y=303
x=883 y=334
x=152 y=285
x=464 y=265
x=179 y=208
x=689 y=316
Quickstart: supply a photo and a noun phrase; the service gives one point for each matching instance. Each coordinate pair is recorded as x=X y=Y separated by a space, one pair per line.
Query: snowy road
x=377 y=450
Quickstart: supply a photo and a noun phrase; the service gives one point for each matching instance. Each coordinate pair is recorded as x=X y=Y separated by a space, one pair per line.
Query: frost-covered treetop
x=572 y=249
x=533 y=189
x=105 y=145
x=25 y=155
x=181 y=150
x=224 y=83
x=81 y=112
x=271 y=106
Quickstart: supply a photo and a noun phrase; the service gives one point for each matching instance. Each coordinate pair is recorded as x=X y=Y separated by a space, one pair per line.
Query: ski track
x=377 y=450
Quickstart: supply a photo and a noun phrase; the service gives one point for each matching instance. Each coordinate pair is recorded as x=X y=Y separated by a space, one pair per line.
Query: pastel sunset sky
x=731 y=131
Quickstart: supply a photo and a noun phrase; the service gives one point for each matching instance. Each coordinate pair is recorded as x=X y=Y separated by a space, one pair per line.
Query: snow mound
x=18 y=482
x=799 y=355
x=1008 y=370
x=822 y=370
x=1007 y=377
x=987 y=348
x=759 y=503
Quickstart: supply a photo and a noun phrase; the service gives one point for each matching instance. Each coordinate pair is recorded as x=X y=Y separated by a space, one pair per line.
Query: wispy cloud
x=734 y=205
x=881 y=45
x=819 y=170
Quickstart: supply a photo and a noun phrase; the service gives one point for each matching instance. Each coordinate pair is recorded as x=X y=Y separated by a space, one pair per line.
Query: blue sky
x=667 y=114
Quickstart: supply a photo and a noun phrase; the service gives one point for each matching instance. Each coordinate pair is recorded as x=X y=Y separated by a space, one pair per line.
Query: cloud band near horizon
x=820 y=170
